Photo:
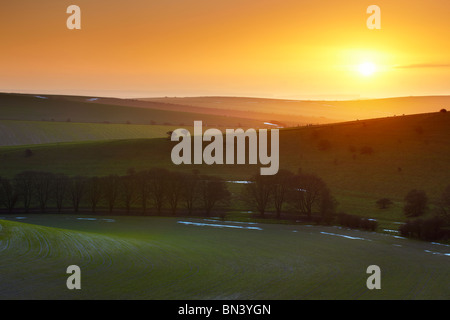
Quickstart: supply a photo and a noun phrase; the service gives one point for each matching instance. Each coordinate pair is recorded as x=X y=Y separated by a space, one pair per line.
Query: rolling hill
x=165 y=258
x=362 y=161
x=316 y=111
x=89 y=109
x=18 y=132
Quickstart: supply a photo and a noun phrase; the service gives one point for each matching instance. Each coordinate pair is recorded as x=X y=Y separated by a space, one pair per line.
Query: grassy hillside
x=14 y=132
x=83 y=109
x=403 y=153
x=161 y=258
x=368 y=160
x=317 y=111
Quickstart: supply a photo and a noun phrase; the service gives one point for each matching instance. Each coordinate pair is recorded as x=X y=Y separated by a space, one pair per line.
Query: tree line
x=301 y=194
x=160 y=191
x=431 y=228
x=154 y=190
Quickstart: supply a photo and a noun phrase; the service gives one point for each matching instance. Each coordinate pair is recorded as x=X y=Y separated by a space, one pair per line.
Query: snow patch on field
x=244 y=222
x=441 y=244
x=95 y=219
x=242 y=182
x=344 y=236
x=217 y=225
x=438 y=253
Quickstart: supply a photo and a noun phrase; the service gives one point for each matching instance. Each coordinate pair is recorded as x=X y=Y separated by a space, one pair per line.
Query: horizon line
x=218 y=96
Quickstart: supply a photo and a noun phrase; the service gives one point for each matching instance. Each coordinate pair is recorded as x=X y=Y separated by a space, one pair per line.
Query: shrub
x=384 y=203
x=355 y=222
x=28 y=153
x=425 y=229
x=368 y=224
x=416 y=203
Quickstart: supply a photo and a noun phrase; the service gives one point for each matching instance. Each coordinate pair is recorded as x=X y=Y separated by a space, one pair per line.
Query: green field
x=17 y=132
x=147 y=257
x=161 y=258
x=80 y=109
x=407 y=152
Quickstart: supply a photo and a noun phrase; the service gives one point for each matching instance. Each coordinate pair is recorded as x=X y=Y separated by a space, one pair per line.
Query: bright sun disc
x=367 y=68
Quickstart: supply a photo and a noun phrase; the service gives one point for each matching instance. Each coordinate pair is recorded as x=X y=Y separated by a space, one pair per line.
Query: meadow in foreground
x=177 y=258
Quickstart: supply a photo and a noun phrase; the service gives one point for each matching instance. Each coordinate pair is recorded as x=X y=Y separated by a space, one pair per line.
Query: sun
x=367 y=68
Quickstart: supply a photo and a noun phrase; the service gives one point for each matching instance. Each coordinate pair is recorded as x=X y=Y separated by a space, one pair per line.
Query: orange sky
x=265 y=48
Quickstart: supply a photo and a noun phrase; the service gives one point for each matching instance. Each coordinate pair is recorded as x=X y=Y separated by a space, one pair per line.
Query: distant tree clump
x=308 y=193
x=28 y=153
x=416 y=203
x=384 y=203
x=443 y=110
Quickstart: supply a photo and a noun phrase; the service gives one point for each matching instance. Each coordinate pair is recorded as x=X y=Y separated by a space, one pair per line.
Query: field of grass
x=407 y=152
x=124 y=257
x=315 y=111
x=80 y=109
x=161 y=258
x=16 y=132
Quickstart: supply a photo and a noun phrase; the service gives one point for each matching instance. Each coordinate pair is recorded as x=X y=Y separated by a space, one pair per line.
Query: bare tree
x=258 y=192
x=94 y=191
x=110 y=186
x=128 y=189
x=60 y=187
x=308 y=192
x=280 y=187
x=77 y=190
x=158 y=185
x=8 y=195
x=212 y=191
x=143 y=186
x=175 y=187
x=43 y=185
x=190 y=191
x=24 y=184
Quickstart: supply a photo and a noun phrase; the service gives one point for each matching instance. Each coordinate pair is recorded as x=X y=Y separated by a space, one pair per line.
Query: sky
x=311 y=49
